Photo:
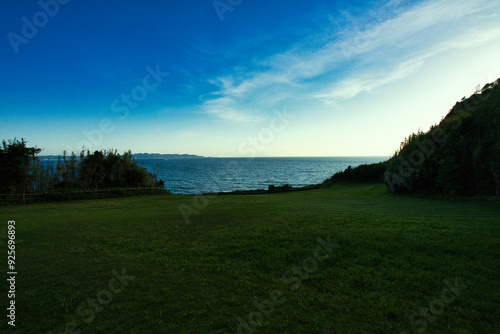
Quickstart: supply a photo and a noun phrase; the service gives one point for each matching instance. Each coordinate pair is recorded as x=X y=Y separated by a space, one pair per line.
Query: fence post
x=24 y=198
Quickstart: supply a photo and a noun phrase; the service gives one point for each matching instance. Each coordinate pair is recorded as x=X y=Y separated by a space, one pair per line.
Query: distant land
x=141 y=156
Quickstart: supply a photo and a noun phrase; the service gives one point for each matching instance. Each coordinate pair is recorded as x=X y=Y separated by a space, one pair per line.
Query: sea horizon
x=195 y=156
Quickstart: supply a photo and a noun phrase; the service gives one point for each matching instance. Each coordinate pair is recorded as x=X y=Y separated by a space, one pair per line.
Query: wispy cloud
x=227 y=109
x=352 y=86
x=394 y=44
x=367 y=81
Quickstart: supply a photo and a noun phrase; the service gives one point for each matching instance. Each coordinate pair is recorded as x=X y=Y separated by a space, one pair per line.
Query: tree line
x=460 y=156
x=22 y=171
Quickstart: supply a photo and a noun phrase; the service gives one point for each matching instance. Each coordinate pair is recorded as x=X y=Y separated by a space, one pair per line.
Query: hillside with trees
x=460 y=156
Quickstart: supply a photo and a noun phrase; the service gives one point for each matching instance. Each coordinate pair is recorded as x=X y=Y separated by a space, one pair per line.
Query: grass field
x=254 y=264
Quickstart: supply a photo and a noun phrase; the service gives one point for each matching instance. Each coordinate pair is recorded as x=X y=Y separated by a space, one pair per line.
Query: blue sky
x=239 y=77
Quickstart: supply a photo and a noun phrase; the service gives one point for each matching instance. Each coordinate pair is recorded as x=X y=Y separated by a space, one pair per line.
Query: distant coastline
x=141 y=156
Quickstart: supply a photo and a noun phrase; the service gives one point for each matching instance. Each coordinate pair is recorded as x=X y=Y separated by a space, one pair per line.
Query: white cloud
x=351 y=87
x=226 y=109
x=392 y=47
x=366 y=81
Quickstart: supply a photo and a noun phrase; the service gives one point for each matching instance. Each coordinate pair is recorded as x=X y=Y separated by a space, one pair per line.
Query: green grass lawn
x=253 y=264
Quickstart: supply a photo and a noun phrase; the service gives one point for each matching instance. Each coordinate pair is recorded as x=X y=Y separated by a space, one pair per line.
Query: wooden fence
x=43 y=196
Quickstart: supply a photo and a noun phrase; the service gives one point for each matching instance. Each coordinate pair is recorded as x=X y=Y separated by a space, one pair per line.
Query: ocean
x=202 y=175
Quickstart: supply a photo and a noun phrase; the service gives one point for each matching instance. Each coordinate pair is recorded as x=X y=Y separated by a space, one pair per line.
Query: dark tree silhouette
x=16 y=161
